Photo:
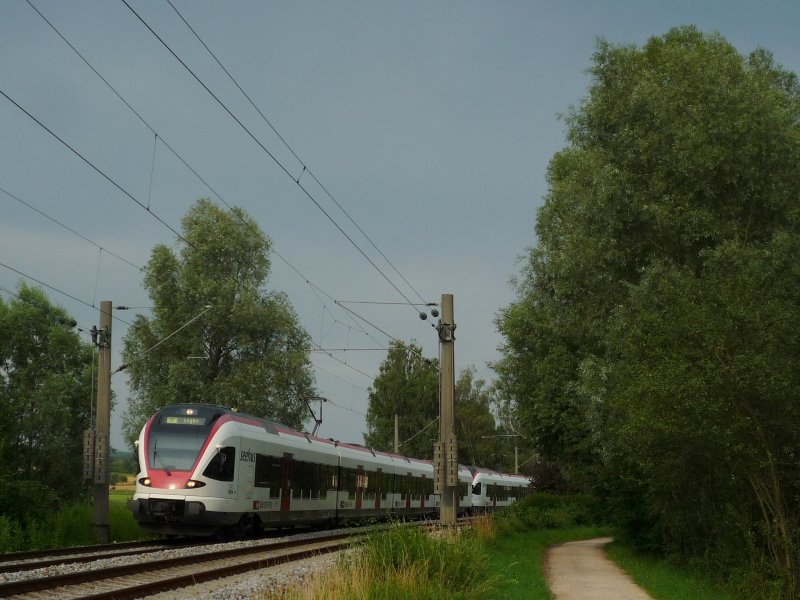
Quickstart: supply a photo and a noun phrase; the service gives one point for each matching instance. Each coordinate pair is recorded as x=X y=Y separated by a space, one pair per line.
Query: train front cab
x=182 y=487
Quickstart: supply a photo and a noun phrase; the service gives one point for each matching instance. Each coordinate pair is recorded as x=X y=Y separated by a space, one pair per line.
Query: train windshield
x=177 y=436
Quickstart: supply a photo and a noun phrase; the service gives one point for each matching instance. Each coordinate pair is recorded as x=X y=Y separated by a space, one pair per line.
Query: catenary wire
x=55 y=289
x=289 y=147
x=59 y=223
x=181 y=237
x=157 y=136
x=90 y=164
x=271 y=155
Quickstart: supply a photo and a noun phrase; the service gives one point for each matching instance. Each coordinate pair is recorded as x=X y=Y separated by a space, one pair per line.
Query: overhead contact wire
x=289 y=147
x=270 y=154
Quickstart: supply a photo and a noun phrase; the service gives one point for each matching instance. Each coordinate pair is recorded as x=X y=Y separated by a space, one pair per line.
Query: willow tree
x=650 y=346
x=215 y=335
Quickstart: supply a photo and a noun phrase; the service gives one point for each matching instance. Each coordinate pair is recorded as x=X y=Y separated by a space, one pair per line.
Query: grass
x=407 y=563
x=519 y=559
x=70 y=526
x=664 y=580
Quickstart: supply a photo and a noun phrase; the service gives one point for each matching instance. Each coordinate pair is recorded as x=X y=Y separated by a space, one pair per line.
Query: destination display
x=184 y=420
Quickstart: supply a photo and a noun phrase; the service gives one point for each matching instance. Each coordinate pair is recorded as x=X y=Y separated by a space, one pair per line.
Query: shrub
x=70 y=526
x=550 y=511
x=19 y=499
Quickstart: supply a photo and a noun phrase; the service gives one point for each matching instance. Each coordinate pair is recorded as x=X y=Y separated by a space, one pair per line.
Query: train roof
x=274 y=427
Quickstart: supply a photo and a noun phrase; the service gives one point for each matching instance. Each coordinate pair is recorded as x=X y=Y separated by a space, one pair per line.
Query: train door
x=248 y=474
x=360 y=485
x=245 y=476
x=379 y=485
x=286 y=482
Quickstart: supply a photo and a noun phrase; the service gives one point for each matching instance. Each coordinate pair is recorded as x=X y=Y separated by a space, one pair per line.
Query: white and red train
x=206 y=469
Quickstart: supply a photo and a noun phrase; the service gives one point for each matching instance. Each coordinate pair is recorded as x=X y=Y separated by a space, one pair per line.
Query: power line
x=129 y=195
x=391 y=337
x=270 y=154
x=345 y=408
x=91 y=164
x=157 y=136
x=55 y=289
x=146 y=207
x=285 y=143
x=59 y=223
x=420 y=431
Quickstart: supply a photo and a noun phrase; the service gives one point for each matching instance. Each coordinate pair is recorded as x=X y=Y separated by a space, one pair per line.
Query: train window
x=476 y=489
x=328 y=481
x=174 y=449
x=305 y=479
x=349 y=482
x=463 y=489
x=222 y=465
x=269 y=471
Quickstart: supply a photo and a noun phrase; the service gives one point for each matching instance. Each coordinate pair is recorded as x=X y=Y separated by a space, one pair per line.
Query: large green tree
x=639 y=352
x=244 y=348
x=45 y=396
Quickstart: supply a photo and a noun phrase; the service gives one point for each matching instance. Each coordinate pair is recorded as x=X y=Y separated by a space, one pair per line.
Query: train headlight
x=145 y=481
x=193 y=484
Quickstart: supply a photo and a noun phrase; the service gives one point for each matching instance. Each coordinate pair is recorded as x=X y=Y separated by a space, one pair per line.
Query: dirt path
x=581 y=571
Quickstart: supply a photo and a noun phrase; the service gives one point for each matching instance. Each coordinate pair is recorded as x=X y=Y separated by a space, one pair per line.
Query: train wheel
x=245 y=527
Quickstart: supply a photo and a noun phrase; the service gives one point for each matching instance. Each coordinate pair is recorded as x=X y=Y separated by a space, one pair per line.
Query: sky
x=430 y=123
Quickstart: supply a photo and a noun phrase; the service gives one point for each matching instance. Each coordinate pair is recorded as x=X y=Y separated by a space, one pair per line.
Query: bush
x=21 y=499
x=71 y=526
x=550 y=511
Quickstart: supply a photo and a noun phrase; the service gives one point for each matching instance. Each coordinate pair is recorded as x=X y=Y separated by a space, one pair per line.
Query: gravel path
x=581 y=571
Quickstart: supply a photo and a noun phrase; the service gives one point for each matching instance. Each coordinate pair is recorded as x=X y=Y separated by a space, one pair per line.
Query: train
x=206 y=470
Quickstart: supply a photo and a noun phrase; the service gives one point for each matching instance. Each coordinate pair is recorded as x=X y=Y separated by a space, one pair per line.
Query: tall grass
x=407 y=563
x=70 y=526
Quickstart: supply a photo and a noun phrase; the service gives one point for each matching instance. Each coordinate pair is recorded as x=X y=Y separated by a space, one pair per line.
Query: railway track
x=14 y=562
x=153 y=576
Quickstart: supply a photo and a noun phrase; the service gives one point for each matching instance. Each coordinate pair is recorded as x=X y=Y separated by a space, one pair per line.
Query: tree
x=45 y=393
x=214 y=337
x=480 y=442
x=704 y=409
x=408 y=386
x=639 y=353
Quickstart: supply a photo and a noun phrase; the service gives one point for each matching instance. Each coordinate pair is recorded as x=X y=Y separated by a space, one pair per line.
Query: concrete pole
x=102 y=427
x=449 y=502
